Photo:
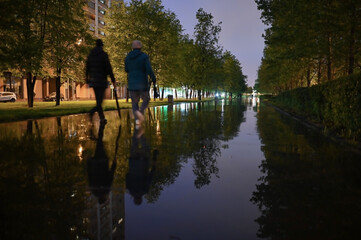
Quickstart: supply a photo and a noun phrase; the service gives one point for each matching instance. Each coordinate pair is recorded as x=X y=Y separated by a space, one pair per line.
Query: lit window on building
x=102 y=1
x=102 y=12
x=101 y=22
x=101 y=33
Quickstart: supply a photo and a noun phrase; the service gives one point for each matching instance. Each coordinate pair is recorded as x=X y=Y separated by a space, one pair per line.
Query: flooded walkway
x=225 y=170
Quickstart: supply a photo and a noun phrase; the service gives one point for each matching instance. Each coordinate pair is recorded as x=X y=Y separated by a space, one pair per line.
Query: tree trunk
x=186 y=93
x=127 y=95
x=57 y=86
x=190 y=94
x=319 y=71
x=176 y=94
x=29 y=128
x=30 y=82
x=308 y=77
x=329 y=59
x=162 y=93
x=351 y=54
x=199 y=95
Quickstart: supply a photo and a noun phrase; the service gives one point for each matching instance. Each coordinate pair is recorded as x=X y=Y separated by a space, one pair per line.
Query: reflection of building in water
x=106 y=220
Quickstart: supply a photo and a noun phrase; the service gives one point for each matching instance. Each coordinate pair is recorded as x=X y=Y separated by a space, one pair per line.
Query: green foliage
x=208 y=51
x=337 y=104
x=158 y=29
x=234 y=80
x=309 y=42
x=178 y=61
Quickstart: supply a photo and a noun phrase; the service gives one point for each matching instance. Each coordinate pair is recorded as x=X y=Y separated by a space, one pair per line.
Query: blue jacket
x=138 y=67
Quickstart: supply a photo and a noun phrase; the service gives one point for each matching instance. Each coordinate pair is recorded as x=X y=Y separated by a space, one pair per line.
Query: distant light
x=80 y=150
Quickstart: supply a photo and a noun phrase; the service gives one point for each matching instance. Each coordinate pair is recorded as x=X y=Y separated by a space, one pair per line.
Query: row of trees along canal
x=309 y=42
x=50 y=38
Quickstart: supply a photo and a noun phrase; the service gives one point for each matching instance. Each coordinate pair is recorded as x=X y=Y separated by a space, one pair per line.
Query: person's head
x=99 y=43
x=136 y=44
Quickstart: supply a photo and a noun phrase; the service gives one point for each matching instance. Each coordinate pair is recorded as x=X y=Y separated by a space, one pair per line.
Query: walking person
x=97 y=69
x=138 y=67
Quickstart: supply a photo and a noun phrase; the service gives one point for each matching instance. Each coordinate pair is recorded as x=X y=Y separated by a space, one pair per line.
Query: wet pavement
x=214 y=170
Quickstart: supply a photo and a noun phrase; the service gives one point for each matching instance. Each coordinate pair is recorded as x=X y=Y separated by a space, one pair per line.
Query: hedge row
x=336 y=104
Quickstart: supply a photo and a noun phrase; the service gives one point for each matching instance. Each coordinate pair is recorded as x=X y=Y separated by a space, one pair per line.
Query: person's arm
x=126 y=66
x=87 y=78
x=149 y=70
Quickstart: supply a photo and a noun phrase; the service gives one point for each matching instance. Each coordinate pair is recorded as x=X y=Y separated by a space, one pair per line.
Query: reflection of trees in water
x=193 y=131
x=36 y=190
x=311 y=188
x=43 y=167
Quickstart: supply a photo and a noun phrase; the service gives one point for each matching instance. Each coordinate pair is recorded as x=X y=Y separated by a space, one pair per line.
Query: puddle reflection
x=211 y=170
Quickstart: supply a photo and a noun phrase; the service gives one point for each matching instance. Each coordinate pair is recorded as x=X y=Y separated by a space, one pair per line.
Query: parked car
x=7 y=97
x=52 y=97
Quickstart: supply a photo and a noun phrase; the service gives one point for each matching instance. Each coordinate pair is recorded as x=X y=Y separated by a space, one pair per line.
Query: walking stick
x=116 y=99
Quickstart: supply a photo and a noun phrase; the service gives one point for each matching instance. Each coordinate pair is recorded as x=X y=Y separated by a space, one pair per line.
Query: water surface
x=224 y=170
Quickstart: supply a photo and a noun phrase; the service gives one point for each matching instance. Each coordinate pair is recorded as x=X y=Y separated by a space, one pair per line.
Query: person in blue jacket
x=138 y=67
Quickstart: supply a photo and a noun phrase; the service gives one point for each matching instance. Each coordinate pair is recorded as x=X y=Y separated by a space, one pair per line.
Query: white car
x=7 y=97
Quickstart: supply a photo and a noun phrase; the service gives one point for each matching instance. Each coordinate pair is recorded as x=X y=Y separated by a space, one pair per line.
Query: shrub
x=336 y=104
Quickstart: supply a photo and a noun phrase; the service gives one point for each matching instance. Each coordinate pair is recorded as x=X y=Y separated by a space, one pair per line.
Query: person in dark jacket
x=138 y=67
x=97 y=69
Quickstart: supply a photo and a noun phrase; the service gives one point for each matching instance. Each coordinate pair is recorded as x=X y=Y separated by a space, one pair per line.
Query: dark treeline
x=309 y=42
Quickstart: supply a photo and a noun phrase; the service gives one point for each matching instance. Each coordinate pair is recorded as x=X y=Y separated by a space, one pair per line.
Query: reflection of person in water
x=99 y=174
x=139 y=175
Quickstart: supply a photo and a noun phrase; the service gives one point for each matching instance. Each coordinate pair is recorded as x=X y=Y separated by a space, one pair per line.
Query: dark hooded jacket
x=98 y=68
x=138 y=67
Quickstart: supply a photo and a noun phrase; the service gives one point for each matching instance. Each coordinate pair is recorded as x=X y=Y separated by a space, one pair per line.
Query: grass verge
x=19 y=110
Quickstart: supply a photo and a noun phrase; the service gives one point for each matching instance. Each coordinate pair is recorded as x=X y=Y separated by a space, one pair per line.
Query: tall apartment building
x=96 y=10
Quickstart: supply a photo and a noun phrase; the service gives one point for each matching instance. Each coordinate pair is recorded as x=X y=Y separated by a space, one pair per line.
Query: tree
x=158 y=29
x=309 y=42
x=206 y=39
x=24 y=30
x=67 y=38
x=184 y=69
x=234 y=80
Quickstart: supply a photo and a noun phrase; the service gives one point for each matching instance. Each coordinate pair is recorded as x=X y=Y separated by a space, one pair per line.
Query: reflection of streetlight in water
x=80 y=152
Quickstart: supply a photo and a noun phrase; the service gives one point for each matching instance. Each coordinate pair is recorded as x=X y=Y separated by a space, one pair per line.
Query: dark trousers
x=99 y=96
x=136 y=96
